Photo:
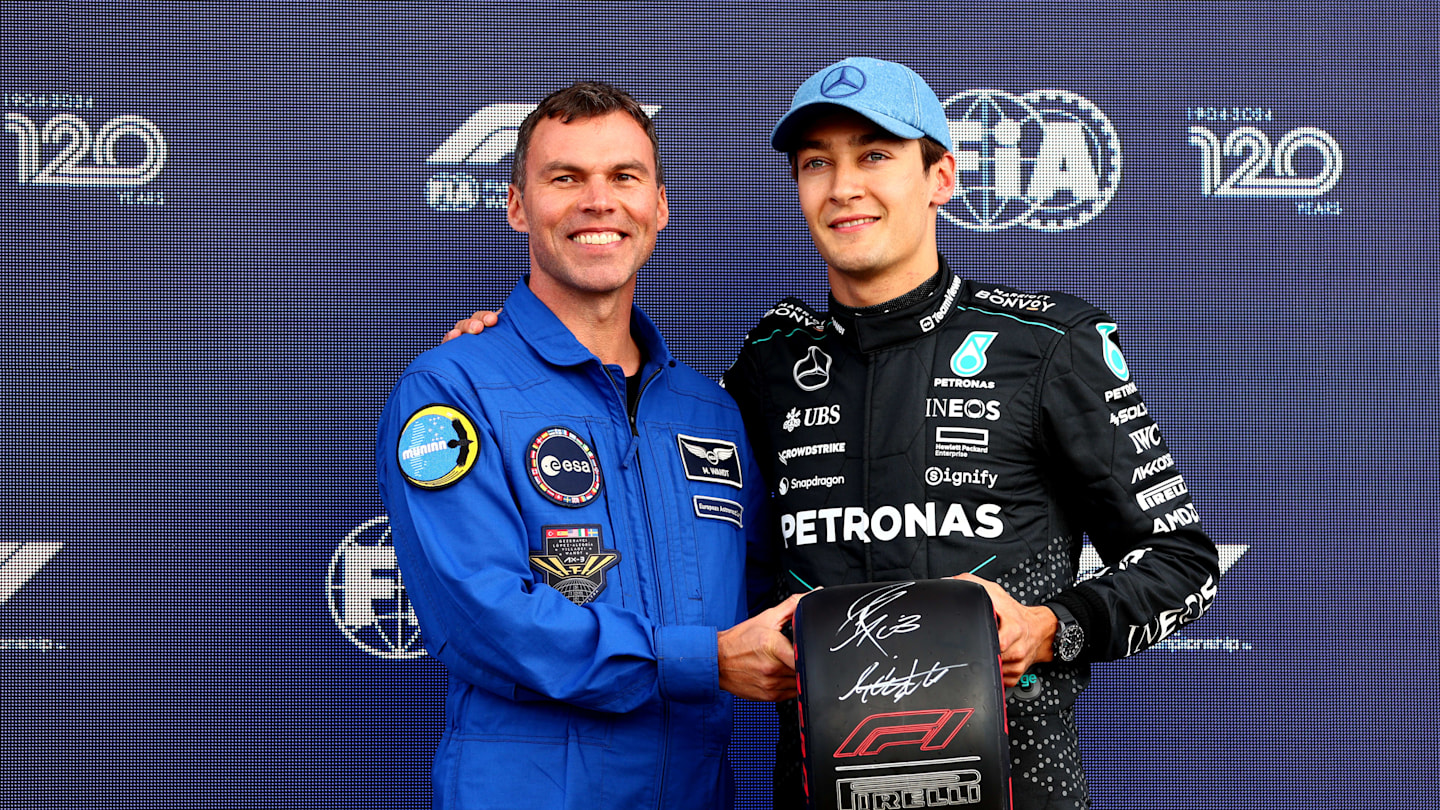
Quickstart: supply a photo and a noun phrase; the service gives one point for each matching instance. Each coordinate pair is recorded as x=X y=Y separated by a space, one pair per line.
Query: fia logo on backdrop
x=470 y=169
x=366 y=596
x=65 y=140
x=1048 y=160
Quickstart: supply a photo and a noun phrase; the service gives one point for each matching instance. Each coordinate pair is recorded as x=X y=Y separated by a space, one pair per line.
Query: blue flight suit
x=571 y=563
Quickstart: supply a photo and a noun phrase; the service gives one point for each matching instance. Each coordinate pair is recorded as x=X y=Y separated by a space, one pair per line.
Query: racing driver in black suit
x=927 y=426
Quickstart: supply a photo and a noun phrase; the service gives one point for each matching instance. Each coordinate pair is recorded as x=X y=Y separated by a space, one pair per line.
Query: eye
x=812 y=163
x=875 y=157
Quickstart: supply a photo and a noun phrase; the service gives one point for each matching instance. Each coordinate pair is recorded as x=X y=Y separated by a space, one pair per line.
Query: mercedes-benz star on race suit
x=641 y=520
x=971 y=421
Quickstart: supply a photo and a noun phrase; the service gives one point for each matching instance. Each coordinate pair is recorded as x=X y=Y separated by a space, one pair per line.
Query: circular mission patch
x=437 y=447
x=563 y=467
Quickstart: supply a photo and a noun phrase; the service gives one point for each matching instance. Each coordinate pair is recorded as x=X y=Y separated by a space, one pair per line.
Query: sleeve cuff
x=1089 y=612
x=689 y=665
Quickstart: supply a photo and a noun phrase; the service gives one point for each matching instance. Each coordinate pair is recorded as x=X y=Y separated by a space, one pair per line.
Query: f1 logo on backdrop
x=367 y=598
x=485 y=139
x=1048 y=160
x=21 y=561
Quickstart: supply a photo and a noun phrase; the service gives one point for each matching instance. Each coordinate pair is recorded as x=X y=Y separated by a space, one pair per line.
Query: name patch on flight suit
x=719 y=509
x=713 y=460
x=437 y=447
x=563 y=467
x=574 y=562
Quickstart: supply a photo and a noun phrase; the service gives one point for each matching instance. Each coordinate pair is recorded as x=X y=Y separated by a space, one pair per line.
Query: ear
x=663 y=210
x=944 y=187
x=514 y=211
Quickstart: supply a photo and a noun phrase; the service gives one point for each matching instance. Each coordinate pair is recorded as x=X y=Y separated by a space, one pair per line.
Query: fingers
x=781 y=614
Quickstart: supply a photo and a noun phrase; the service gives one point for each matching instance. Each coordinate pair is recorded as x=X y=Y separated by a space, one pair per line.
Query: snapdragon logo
x=480 y=145
x=1048 y=160
x=367 y=599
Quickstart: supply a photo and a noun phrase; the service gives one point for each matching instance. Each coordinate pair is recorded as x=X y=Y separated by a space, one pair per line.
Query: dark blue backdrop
x=207 y=304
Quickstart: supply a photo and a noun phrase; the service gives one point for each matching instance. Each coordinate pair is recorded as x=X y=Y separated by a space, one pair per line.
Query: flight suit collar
x=553 y=341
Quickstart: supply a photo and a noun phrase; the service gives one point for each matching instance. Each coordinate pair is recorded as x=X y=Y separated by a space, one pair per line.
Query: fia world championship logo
x=366 y=596
x=469 y=169
x=1048 y=160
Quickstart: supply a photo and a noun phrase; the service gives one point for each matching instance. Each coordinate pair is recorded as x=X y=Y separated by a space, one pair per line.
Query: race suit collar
x=549 y=337
x=902 y=319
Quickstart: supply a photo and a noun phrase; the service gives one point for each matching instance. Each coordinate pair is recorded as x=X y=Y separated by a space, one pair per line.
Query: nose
x=597 y=195
x=847 y=184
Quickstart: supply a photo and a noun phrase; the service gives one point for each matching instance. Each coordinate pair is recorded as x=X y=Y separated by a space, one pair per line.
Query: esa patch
x=713 y=460
x=574 y=561
x=563 y=467
x=720 y=509
x=437 y=446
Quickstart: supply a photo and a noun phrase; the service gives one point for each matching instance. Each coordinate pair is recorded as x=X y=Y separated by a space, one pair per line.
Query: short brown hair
x=582 y=100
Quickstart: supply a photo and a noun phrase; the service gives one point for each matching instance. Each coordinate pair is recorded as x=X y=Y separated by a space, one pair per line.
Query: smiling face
x=871 y=206
x=591 y=204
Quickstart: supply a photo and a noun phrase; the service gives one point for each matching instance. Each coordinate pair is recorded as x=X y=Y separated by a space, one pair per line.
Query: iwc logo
x=1048 y=160
x=367 y=598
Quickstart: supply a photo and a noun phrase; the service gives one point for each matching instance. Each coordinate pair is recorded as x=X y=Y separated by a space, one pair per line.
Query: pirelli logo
x=1162 y=493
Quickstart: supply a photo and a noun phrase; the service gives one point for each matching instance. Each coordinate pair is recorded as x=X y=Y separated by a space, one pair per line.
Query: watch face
x=1068 y=642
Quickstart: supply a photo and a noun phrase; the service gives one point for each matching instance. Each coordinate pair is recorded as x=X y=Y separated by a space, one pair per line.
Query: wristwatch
x=1069 y=635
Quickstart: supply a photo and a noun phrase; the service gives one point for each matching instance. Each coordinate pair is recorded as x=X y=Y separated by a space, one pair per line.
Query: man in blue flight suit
x=573 y=508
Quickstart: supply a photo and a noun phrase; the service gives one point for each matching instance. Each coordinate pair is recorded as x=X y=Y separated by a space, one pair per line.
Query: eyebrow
x=632 y=166
x=873 y=136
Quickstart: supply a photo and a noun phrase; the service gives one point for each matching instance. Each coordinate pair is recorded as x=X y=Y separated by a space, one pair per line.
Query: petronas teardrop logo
x=969 y=359
x=1113 y=358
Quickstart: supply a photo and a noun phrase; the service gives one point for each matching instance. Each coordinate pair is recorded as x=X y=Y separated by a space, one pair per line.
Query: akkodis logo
x=367 y=598
x=1048 y=160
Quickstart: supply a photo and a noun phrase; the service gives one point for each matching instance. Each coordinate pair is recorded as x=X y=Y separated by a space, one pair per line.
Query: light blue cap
x=888 y=93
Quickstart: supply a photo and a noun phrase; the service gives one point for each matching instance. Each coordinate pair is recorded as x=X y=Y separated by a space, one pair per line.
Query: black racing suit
x=964 y=422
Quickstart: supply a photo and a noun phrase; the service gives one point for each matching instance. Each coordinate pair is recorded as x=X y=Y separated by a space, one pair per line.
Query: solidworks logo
x=931 y=729
x=21 y=561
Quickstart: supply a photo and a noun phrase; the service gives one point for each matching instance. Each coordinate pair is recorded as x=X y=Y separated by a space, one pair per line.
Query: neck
x=859 y=290
x=600 y=321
